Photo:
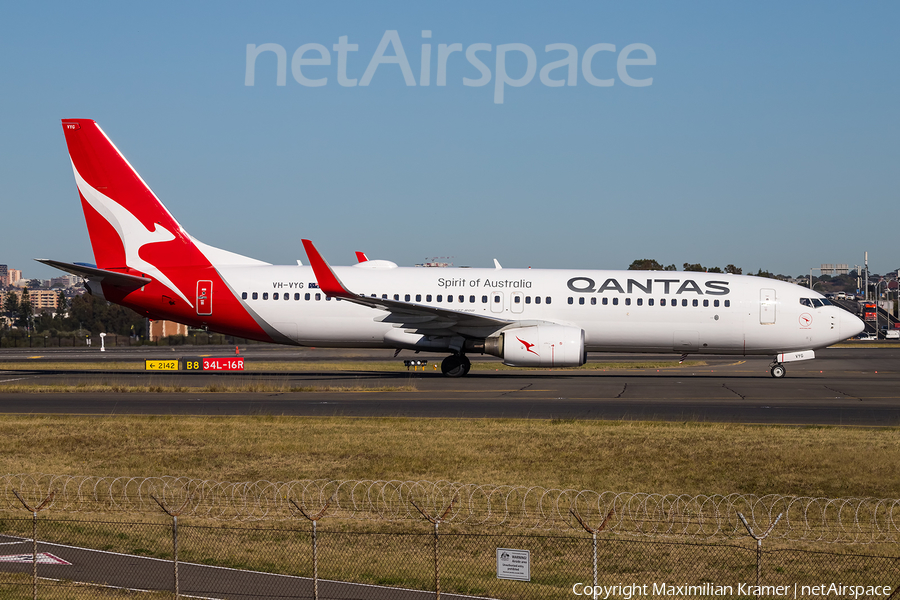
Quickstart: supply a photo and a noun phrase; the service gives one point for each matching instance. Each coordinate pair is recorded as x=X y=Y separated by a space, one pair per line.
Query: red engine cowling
x=539 y=346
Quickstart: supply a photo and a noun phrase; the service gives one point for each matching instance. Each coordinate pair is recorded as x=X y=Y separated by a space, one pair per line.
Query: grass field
x=692 y=458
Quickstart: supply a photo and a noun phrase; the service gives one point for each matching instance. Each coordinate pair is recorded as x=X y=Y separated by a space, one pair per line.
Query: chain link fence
x=317 y=547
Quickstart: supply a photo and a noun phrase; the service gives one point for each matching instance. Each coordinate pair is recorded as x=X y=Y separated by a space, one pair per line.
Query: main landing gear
x=455 y=365
x=778 y=371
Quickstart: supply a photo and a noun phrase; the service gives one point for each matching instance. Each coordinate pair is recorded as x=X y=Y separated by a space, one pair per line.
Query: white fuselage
x=625 y=311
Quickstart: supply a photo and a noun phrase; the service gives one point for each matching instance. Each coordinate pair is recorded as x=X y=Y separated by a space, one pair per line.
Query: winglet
x=497 y=264
x=325 y=277
x=361 y=257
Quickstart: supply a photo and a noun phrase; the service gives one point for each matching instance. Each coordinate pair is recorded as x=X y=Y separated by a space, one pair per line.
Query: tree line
x=84 y=313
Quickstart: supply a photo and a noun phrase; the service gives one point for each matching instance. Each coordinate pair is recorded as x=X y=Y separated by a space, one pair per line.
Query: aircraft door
x=766 y=306
x=497 y=302
x=517 y=302
x=204 y=298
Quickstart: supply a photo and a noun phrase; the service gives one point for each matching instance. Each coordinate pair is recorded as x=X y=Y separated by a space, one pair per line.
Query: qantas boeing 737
x=146 y=261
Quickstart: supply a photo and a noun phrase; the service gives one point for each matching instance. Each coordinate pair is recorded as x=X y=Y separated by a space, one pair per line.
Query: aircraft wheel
x=455 y=365
x=778 y=371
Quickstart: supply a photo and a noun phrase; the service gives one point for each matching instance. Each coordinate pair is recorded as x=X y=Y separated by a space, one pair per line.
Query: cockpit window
x=817 y=303
x=827 y=302
x=805 y=302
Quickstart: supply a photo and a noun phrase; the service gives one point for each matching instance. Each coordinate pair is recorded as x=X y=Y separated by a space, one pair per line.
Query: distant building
x=161 y=329
x=14 y=277
x=64 y=282
x=40 y=299
x=4 y=275
x=835 y=270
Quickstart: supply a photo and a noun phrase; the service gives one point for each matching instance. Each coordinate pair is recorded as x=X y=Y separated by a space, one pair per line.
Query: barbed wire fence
x=636 y=528
x=812 y=519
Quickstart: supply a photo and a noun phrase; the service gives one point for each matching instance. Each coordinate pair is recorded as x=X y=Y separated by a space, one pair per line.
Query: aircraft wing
x=427 y=320
x=94 y=274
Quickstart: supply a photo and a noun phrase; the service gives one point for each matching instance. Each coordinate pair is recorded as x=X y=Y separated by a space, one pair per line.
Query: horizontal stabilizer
x=94 y=274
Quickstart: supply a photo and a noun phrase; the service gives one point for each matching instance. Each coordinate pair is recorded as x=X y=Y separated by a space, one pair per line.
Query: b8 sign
x=230 y=363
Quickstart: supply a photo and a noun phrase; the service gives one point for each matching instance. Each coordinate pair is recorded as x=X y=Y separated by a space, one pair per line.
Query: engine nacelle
x=539 y=346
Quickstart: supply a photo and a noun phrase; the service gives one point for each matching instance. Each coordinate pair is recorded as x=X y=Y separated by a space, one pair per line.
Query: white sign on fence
x=513 y=564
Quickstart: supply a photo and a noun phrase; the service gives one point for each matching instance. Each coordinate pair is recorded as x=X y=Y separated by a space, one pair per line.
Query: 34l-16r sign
x=230 y=363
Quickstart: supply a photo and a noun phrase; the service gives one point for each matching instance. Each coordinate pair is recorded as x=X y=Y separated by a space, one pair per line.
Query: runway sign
x=229 y=363
x=43 y=558
x=161 y=365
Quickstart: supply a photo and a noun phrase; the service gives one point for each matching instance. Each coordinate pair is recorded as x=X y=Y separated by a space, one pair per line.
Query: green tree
x=761 y=273
x=25 y=309
x=671 y=268
x=693 y=267
x=11 y=305
x=714 y=270
x=61 y=303
x=645 y=264
x=733 y=270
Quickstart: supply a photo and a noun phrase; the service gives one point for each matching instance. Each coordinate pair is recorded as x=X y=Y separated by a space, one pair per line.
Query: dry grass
x=688 y=458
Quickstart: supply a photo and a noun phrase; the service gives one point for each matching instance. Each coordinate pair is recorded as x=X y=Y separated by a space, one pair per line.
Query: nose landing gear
x=455 y=365
x=778 y=371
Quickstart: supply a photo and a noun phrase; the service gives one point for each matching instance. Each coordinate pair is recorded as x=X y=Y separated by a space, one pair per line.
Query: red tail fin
x=127 y=223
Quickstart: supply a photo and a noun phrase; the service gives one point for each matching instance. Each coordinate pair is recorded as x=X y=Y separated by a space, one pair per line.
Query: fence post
x=436 y=521
x=34 y=512
x=759 y=539
x=174 y=515
x=315 y=550
x=593 y=532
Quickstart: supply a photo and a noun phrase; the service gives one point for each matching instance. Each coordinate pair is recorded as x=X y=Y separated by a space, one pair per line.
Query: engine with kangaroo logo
x=539 y=346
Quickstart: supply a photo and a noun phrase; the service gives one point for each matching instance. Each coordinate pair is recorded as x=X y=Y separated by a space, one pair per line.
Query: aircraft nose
x=850 y=325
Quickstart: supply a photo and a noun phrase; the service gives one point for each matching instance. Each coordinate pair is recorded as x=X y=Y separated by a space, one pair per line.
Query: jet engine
x=539 y=346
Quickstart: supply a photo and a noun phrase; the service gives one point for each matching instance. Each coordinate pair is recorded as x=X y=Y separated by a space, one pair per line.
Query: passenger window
x=327 y=298
x=406 y=298
x=695 y=302
x=484 y=299
x=581 y=300
x=605 y=301
x=547 y=300
x=662 y=301
x=537 y=299
x=649 y=301
x=449 y=298
x=275 y=296
x=318 y=296
x=472 y=299
x=716 y=303
x=594 y=301
x=440 y=297
x=306 y=296
x=243 y=295
x=640 y=301
x=684 y=301
x=428 y=298
x=296 y=296
x=705 y=302
x=727 y=303
x=517 y=300
x=615 y=301
x=418 y=297
x=527 y=299
x=384 y=296
x=255 y=296
x=265 y=295
x=397 y=297
x=496 y=299
x=287 y=296
x=627 y=301
x=461 y=298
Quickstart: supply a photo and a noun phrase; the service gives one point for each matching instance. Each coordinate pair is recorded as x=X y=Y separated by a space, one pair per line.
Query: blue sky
x=767 y=139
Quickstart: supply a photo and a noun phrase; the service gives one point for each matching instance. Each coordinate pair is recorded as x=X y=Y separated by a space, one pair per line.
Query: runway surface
x=843 y=386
